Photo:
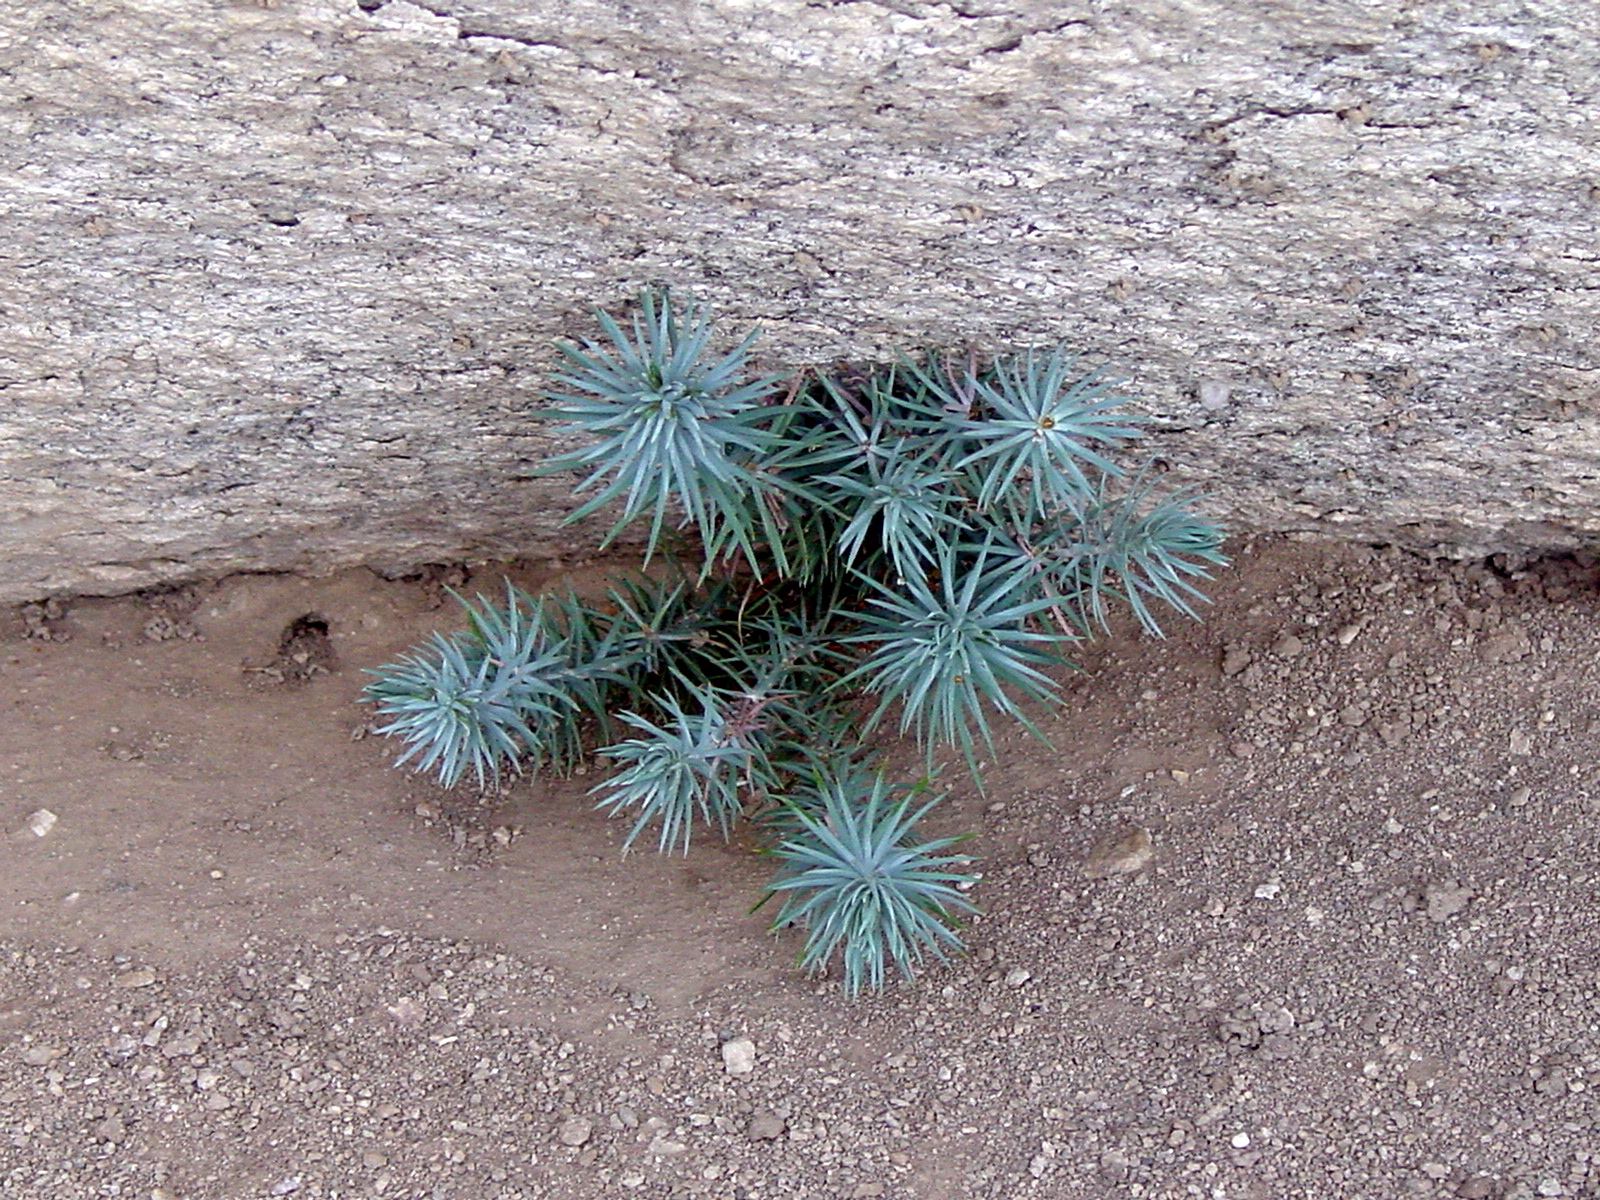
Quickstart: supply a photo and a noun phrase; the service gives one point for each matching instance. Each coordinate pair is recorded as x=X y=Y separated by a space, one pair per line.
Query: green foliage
x=693 y=763
x=865 y=891
x=665 y=425
x=930 y=539
x=509 y=690
x=1032 y=422
x=946 y=648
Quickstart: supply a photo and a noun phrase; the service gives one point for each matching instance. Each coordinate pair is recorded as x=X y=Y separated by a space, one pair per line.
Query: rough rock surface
x=280 y=278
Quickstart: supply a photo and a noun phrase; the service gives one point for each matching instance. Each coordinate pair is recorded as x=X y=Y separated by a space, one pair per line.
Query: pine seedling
x=867 y=893
x=666 y=424
x=919 y=547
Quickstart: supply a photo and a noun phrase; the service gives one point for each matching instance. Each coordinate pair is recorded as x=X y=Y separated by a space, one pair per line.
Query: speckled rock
x=281 y=278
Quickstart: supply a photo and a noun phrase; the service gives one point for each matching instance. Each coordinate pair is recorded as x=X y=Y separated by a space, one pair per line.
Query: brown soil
x=250 y=960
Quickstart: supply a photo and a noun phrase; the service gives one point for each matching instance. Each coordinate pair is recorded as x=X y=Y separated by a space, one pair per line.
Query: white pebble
x=739 y=1056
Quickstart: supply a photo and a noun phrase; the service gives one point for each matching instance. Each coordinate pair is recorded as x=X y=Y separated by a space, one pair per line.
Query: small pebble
x=1121 y=853
x=765 y=1127
x=575 y=1131
x=739 y=1056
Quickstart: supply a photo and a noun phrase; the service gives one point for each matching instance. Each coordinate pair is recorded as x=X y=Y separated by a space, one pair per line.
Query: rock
x=1445 y=900
x=1348 y=634
x=1235 y=659
x=111 y=1129
x=41 y=822
x=1279 y=222
x=139 y=977
x=373 y=1160
x=41 y=1056
x=1479 y=1187
x=182 y=1046
x=1288 y=646
x=1018 y=976
x=1509 y=646
x=1123 y=853
x=407 y=1012
x=766 y=1126
x=1392 y=732
x=739 y=1056
x=163 y=628
x=1240 y=1140
x=666 y=1148
x=286 y=1186
x=575 y=1131
x=1213 y=395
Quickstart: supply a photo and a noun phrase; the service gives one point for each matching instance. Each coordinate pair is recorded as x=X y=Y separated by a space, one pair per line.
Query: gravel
x=1362 y=964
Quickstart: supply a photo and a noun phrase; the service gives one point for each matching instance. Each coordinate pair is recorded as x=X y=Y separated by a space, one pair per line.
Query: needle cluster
x=923 y=544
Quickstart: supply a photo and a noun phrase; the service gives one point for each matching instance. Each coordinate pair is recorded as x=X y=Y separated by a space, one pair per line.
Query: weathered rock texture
x=280 y=278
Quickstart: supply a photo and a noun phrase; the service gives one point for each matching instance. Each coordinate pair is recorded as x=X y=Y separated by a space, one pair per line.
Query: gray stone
x=575 y=1131
x=1288 y=646
x=739 y=1056
x=295 y=342
x=1122 y=853
x=766 y=1126
x=1445 y=900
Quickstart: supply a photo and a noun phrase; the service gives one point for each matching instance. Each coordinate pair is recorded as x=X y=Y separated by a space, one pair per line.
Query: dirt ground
x=250 y=960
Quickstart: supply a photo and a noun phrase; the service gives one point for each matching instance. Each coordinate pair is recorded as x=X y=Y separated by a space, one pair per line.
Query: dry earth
x=248 y=960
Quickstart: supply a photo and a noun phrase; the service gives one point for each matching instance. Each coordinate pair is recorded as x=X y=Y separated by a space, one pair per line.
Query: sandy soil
x=250 y=960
